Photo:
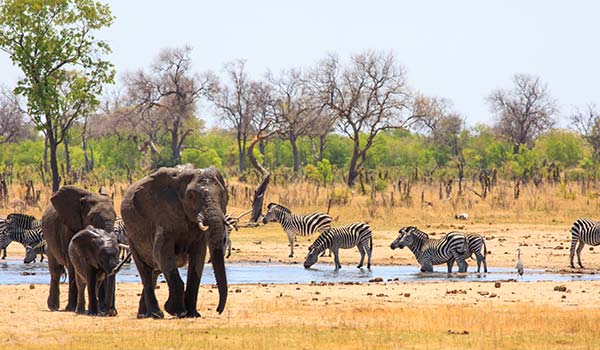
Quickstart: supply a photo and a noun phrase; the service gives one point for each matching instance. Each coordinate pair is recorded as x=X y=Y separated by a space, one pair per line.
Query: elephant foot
x=80 y=310
x=193 y=314
x=109 y=313
x=70 y=308
x=176 y=310
x=92 y=313
x=52 y=306
x=157 y=315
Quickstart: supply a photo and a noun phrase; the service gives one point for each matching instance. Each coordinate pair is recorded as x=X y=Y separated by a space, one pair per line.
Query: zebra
x=3 y=231
x=231 y=223
x=292 y=224
x=357 y=234
x=475 y=243
x=22 y=228
x=121 y=233
x=584 y=231
x=31 y=252
x=429 y=252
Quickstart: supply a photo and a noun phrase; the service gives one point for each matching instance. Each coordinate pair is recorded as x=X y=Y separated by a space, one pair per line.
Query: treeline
x=342 y=119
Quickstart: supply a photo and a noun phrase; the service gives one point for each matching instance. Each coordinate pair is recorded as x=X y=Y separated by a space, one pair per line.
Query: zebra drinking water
x=292 y=224
x=31 y=252
x=357 y=235
x=430 y=251
x=22 y=228
x=584 y=231
x=121 y=233
x=3 y=231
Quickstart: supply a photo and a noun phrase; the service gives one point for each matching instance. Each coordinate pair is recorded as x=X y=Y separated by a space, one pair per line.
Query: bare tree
x=588 y=124
x=169 y=95
x=234 y=101
x=368 y=96
x=293 y=109
x=523 y=112
x=12 y=121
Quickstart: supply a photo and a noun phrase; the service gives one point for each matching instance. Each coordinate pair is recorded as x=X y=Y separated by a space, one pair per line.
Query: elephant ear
x=67 y=203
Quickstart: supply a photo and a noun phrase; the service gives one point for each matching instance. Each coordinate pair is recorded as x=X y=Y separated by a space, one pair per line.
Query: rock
x=376 y=279
x=483 y=292
x=561 y=288
x=369 y=293
x=238 y=290
x=257 y=242
x=406 y=295
x=497 y=284
x=157 y=286
x=31 y=286
x=563 y=296
x=453 y=332
x=493 y=295
x=381 y=295
x=456 y=291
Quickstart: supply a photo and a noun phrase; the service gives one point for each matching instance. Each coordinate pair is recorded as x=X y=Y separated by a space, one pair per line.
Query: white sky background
x=459 y=50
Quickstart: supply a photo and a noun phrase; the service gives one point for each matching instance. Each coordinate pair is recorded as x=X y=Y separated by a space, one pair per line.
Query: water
x=15 y=272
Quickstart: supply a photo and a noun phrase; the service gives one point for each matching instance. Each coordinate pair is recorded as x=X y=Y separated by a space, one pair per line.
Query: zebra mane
x=418 y=233
x=280 y=207
x=22 y=220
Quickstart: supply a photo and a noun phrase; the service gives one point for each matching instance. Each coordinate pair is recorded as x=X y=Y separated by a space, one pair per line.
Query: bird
x=519 y=262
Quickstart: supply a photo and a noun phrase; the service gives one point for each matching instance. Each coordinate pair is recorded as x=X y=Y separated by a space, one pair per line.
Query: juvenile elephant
x=171 y=216
x=70 y=210
x=94 y=254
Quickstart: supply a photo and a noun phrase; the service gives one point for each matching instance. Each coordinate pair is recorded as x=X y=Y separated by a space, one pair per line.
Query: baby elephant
x=94 y=254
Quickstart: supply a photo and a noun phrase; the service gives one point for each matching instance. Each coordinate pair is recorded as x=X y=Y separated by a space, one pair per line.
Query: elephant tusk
x=202 y=227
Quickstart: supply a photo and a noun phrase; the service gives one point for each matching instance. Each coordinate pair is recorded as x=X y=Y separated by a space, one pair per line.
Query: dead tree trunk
x=259 y=193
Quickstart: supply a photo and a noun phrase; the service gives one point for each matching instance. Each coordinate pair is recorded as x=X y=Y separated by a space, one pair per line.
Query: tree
x=588 y=124
x=234 y=101
x=48 y=40
x=293 y=109
x=523 y=112
x=368 y=96
x=12 y=123
x=170 y=93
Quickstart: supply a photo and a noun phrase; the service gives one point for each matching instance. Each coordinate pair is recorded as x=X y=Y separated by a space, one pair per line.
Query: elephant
x=69 y=211
x=171 y=217
x=94 y=254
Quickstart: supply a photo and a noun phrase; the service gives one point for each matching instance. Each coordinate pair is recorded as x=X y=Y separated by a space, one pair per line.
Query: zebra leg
x=80 y=295
x=362 y=250
x=3 y=253
x=56 y=270
x=450 y=264
x=228 y=247
x=572 y=251
x=336 y=258
x=291 y=240
x=579 y=249
x=427 y=266
x=369 y=252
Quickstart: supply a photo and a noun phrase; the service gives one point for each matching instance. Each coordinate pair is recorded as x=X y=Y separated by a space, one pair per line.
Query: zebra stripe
x=584 y=231
x=357 y=234
x=475 y=244
x=3 y=231
x=23 y=221
x=292 y=224
x=429 y=252
x=121 y=233
x=31 y=234
x=232 y=224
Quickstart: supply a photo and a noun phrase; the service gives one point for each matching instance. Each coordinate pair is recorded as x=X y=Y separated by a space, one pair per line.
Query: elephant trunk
x=218 y=263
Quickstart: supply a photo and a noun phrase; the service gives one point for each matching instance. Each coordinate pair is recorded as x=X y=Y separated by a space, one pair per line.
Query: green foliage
x=561 y=146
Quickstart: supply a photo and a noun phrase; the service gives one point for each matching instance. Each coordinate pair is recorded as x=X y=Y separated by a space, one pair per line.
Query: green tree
x=49 y=40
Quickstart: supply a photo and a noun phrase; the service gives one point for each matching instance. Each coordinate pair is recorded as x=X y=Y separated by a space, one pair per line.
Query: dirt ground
x=368 y=315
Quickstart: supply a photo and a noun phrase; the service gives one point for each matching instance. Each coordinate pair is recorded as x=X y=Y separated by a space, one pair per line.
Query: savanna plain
x=375 y=315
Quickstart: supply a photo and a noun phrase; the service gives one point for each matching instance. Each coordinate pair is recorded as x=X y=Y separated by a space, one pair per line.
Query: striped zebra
x=121 y=233
x=584 y=231
x=476 y=243
x=31 y=252
x=357 y=234
x=429 y=252
x=3 y=231
x=292 y=224
x=231 y=223
x=22 y=228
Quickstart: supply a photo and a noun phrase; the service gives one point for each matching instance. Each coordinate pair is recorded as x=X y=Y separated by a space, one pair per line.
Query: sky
x=459 y=50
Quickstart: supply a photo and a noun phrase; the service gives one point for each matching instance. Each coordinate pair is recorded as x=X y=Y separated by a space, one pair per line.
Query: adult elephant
x=171 y=216
x=70 y=210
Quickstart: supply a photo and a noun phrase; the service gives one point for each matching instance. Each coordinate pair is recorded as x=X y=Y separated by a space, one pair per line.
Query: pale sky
x=459 y=50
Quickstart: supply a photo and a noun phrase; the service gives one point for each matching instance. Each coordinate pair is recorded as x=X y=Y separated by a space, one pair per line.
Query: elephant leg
x=102 y=302
x=92 y=286
x=164 y=254
x=56 y=270
x=148 y=306
x=72 y=302
x=80 y=294
x=195 y=269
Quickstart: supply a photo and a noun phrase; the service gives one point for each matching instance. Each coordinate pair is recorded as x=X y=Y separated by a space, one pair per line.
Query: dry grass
x=277 y=317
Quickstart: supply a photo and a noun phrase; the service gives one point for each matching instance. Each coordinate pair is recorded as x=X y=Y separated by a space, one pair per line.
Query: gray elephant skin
x=171 y=216
x=94 y=254
x=70 y=210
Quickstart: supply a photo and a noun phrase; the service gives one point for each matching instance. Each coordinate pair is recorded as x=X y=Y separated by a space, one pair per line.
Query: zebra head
x=311 y=258
x=405 y=238
x=30 y=254
x=273 y=209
